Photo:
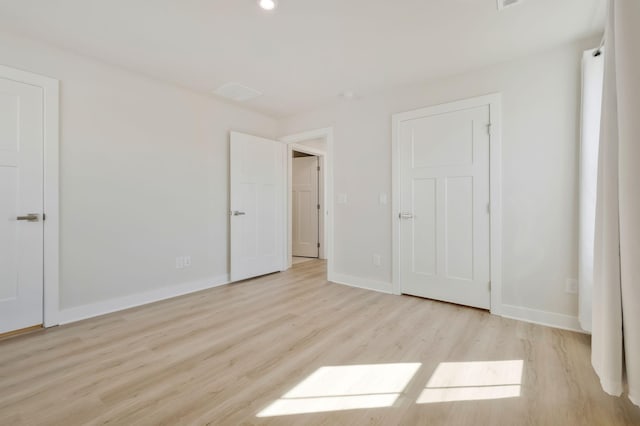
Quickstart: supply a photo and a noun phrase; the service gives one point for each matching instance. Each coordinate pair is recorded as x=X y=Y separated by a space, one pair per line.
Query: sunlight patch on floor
x=346 y=387
x=473 y=381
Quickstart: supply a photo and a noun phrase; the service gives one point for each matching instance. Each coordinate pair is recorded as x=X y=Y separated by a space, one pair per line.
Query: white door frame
x=495 y=185
x=50 y=89
x=292 y=142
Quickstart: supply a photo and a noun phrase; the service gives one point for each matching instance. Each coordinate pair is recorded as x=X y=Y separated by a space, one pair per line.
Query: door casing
x=326 y=240
x=51 y=257
x=495 y=186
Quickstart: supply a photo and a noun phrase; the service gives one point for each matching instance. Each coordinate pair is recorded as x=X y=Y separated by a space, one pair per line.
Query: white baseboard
x=364 y=283
x=79 y=313
x=549 y=319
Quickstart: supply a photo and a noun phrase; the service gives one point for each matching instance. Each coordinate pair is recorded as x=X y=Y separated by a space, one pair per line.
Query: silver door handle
x=31 y=217
x=237 y=213
x=405 y=215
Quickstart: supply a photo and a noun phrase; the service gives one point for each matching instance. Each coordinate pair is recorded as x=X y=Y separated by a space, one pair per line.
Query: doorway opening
x=306 y=206
x=309 y=205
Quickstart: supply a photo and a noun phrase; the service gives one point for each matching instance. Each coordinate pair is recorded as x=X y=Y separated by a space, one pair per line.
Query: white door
x=305 y=206
x=444 y=207
x=257 y=181
x=21 y=205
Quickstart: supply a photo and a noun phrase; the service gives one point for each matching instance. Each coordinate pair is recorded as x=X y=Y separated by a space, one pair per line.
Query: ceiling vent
x=503 y=4
x=237 y=92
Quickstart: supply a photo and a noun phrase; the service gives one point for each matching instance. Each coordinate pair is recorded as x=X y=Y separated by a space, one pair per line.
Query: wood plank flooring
x=222 y=356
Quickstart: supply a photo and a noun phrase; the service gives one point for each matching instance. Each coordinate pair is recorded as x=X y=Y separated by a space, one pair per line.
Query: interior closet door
x=444 y=232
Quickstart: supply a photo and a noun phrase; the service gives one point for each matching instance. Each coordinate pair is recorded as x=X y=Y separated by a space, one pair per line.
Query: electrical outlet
x=377 y=260
x=571 y=286
x=179 y=262
x=187 y=261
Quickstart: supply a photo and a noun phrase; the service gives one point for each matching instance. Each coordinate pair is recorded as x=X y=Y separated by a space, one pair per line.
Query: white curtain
x=592 y=81
x=616 y=290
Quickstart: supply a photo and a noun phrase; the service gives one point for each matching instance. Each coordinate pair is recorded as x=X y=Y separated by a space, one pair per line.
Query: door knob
x=31 y=217
x=237 y=213
x=405 y=215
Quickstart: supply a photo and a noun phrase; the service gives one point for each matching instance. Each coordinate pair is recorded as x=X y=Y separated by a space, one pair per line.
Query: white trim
x=363 y=283
x=79 y=313
x=291 y=141
x=51 y=261
x=494 y=102
x=548 y=319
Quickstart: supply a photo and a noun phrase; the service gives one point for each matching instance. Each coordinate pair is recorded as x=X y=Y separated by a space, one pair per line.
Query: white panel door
x=305 y=206
x=257 y=180
x=21 y=205
x=444 y=231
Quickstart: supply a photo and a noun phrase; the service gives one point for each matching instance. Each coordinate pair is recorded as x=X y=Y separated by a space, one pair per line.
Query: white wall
x=540 y=147
x=144 y=176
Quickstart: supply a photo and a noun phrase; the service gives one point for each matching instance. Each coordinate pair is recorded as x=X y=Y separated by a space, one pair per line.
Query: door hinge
x=318 y=206
x=489 y=129
x=318 y=245
x=489 y=285
x=44 y=217
x=318 y=168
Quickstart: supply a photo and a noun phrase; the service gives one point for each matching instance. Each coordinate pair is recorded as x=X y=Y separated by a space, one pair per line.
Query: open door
x=305 y=207
x=21 y=206
x=257 y=181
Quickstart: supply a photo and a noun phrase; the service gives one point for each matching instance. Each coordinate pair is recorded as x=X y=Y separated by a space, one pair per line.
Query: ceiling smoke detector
x=503 y=4
x=237 y=92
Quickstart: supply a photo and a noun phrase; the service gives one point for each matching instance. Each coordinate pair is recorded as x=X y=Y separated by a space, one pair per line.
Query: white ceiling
x=308 y=51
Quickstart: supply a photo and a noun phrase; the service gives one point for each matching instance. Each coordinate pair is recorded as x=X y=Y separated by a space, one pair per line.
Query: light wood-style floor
x=222 y=356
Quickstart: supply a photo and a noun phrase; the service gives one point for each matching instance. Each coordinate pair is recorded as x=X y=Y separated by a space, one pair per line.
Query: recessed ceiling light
x=267 y=4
